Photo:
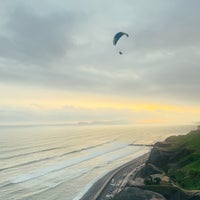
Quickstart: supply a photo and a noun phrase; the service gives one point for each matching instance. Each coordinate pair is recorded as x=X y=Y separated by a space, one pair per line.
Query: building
x=198 y=127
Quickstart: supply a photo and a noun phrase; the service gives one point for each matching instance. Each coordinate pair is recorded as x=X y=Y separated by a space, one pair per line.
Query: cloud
x=37 y=39
x=67 y=115
x=69 y=46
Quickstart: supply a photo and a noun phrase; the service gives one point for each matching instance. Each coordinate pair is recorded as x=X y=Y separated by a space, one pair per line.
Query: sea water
x=62 y=162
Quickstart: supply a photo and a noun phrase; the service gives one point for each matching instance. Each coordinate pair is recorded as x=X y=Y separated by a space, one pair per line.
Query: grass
x=187 y=170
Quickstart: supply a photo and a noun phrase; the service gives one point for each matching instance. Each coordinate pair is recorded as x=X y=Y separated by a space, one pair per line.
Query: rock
x=148 y=170
x=167 y=161
x=132 y=193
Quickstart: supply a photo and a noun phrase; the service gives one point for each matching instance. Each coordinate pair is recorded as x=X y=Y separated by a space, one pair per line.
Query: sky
x=58 y=64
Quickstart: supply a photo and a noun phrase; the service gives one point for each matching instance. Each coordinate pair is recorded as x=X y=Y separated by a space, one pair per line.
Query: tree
x=157 y=180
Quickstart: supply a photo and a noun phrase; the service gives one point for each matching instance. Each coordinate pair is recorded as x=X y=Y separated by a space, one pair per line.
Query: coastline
x=153 y=175
x=113 y=181
x=164 y=176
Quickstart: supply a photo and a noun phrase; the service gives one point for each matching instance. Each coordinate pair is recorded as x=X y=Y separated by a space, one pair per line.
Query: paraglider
x=117 y=37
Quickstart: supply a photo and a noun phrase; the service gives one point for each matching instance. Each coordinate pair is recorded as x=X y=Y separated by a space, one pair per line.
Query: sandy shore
x=114 y=181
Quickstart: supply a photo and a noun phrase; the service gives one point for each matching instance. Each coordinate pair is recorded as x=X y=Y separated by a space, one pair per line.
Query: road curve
x=104 y=186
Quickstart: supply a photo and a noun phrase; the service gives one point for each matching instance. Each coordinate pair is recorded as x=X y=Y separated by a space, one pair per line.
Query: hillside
x=179 y=157
x=172 y=170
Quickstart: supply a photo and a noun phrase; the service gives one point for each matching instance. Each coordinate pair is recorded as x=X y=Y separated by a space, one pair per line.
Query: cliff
x=172 y=171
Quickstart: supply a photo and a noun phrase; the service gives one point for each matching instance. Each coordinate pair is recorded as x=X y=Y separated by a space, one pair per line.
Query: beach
x=114 y=181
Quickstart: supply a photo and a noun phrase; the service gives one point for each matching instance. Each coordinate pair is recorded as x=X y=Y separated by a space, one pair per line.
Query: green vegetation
x=186 y=169
x=152 y=181
x=169 y=192
x=157 y=180
x=173 y=167
x=190 y=141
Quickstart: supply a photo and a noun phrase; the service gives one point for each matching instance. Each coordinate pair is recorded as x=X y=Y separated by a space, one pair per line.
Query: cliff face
x=179 y=158
x=167 y=157
x=172 y=171
x=132 y=193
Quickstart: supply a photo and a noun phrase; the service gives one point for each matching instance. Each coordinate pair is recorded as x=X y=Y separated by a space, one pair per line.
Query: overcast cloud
x=68 y=45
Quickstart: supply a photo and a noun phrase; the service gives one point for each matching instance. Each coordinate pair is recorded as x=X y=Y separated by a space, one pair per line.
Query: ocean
x=62 y=162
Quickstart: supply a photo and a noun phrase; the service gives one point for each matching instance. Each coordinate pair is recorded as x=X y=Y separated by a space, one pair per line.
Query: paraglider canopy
x=117 y=37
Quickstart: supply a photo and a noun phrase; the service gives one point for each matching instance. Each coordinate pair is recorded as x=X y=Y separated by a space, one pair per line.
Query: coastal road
x=112 y=182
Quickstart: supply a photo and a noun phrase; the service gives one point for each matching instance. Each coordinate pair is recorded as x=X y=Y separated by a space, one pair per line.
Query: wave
x=50 y=184
x=19 y=149
x=53 y=157
x=123 y=154
x=24 y=164
x=85 y=189
x=5 y=184
x=29 y=153
x=61 y=166
x=137 y=153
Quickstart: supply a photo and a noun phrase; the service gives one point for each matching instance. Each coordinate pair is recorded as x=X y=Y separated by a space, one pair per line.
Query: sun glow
x=105 y=107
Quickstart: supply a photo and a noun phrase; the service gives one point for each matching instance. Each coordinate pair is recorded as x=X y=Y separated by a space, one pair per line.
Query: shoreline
x=112 y=182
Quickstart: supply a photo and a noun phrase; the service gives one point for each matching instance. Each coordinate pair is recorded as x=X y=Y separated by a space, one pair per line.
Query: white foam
x=70 y=162
x=86 y=188
x=123 y=154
